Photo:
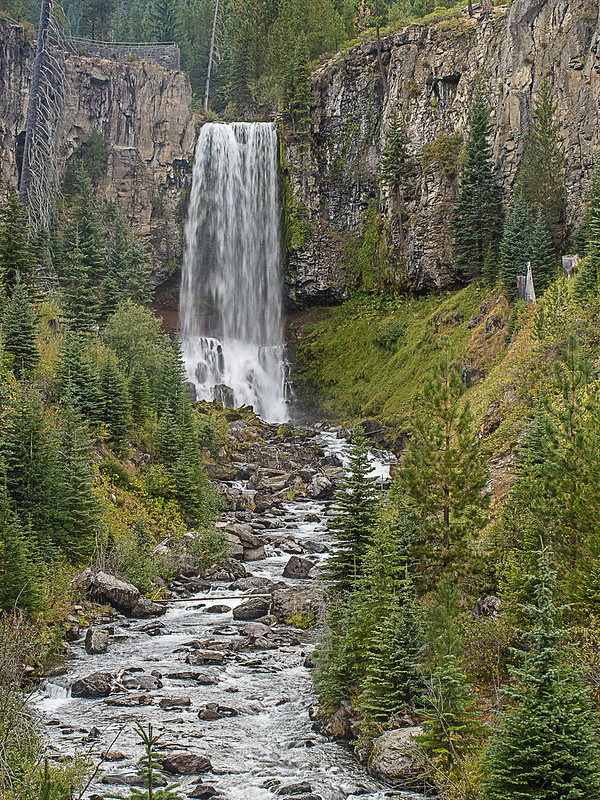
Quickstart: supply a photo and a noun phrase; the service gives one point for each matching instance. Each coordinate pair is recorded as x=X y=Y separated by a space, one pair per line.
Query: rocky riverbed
x=223 y=673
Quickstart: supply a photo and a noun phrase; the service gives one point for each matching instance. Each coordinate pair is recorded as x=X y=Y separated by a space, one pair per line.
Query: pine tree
x=164 y=20
x=126 y=270
x=477 y=218
x=543 y=259
x=547 y=745
x=516 y=245
x=19 y=332
x=80 y=292
x=115 y=403
x=444 y=476
x=354 y=523
x=586 y=284
x=451 y=728
x=77 y=504
x=78 y=381
x=17 y=252
x=540 y=179
x=139 y=396
x=395 y=166
x=20 y=570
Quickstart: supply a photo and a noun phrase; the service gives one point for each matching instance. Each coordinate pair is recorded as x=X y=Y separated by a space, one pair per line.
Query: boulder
x=144 y=608
x=217 y=609
x=292 y=789
x=255 y=629
x=394 y=755
x=129 y=700
x=291 y=600
x=175 y=702
x=253 y=608
x=104 y=587
x=205 y=656
x=254 y=553
x=98 y=684
x=186 y=764
x=297 y=567
x=144 y=682
x=320 y=488
x=113 y=755
x=202 y=792
x=226 y=570
x=96 y=641
x=253 y=582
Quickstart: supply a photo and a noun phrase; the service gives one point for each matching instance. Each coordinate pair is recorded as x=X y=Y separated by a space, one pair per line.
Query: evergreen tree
x=139 y=396
x=477 y=218
x=20 y=570
x=540 y=179
x=395 y=166
x=586 y=284
x=95 y=18
x=78 y=505
x=164 y=20
x=78 y=381
x=298 y=98
x=444 y=476
x=543 y=259
x=115 y=403
x=126 y=270
x=17 y=253
x=354 y=523
x=516 y=245
x=547 y=745
x=19 y=332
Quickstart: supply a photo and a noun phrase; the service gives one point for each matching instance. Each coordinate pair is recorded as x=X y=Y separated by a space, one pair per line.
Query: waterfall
x=231 y=292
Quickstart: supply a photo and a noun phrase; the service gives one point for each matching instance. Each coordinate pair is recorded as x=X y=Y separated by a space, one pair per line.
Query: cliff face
x=431 y=73
x=143 y=112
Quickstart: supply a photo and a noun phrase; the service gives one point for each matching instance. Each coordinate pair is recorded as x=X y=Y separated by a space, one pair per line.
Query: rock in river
x=186 y=764
x=98 y=684
x=297 y=567
x=96 y=641
x=253 y=608
x=394 y=755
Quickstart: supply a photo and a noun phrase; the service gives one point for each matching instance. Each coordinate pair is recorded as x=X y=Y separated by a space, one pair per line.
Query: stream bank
x=223 y=675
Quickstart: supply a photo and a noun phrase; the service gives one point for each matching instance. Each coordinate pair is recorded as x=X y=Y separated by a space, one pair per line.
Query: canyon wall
x=431 y=71
x=142 y=110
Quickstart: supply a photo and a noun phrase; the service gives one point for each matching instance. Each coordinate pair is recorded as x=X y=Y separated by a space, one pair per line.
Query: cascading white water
x=231 y=292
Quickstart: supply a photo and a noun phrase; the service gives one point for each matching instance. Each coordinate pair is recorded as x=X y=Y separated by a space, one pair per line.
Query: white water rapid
x=231 y=290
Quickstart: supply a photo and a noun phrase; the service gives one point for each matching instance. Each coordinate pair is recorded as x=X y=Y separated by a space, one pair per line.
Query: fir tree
x=126 y=270
x=543 y=259
x=395 y=166
x=515 y=247
x=540 y=179
x=477 y=219
x=17 y=252
x=547 y=745
x=20 y=570
x=78 y=381
x=80 y=292
x=19 y=332
x=139 y=396
x=586 y=284
x=163 y=20
x=355 y=521
x=443 y=476
x=115 y=403
x=297 y=90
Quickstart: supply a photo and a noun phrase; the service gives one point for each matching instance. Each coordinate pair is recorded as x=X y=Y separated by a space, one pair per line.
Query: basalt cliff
x=337 y=212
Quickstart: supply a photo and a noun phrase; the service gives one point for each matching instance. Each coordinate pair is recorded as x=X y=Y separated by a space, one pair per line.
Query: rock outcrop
x=142 y=110
x=431 y=71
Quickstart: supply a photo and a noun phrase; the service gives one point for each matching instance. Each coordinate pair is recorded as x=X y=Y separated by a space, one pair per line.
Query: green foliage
x=477 y=218
x=115 y=406
x=92 y=155
x=395 y=165
x=208 y=547
x=19 y=332
x=525 y=240
x=445 y=149
x=78 y=381
x=540 y=179
x=546 y=745
x=354 y=522
x=17 y=254
x=126 y=276
x=444 y=476
x=586 y=284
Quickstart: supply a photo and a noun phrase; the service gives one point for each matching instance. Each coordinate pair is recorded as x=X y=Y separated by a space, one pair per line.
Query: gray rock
x=205 y=656
x=175 y=702
x=290 y=600
x=129 y=700
x=320 y=488
x=297 y=567
x=254 y=553
x=145 y=682
x=217 y=609
x=203 y=792
x=253 y=582
x=186 y=764
x=253 y=608
x=303 y=787
x=255 y=629
x=96 y=641
x=104 y=587
x=227 y=570
x=394 y=755
x=131 y=779
x=144 y=608
x=98 y=684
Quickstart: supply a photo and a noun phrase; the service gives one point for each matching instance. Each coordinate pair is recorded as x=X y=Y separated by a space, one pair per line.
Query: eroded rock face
x=143 y=112
x=431 y=74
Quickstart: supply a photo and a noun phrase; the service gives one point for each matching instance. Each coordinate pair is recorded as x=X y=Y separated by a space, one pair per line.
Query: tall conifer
x=19 y=332
x=477 y=218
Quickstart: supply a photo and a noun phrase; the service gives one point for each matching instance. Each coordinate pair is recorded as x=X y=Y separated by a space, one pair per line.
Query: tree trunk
x=210 y=54
x=470 y=7
x=486 y=5
x=34 y=98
